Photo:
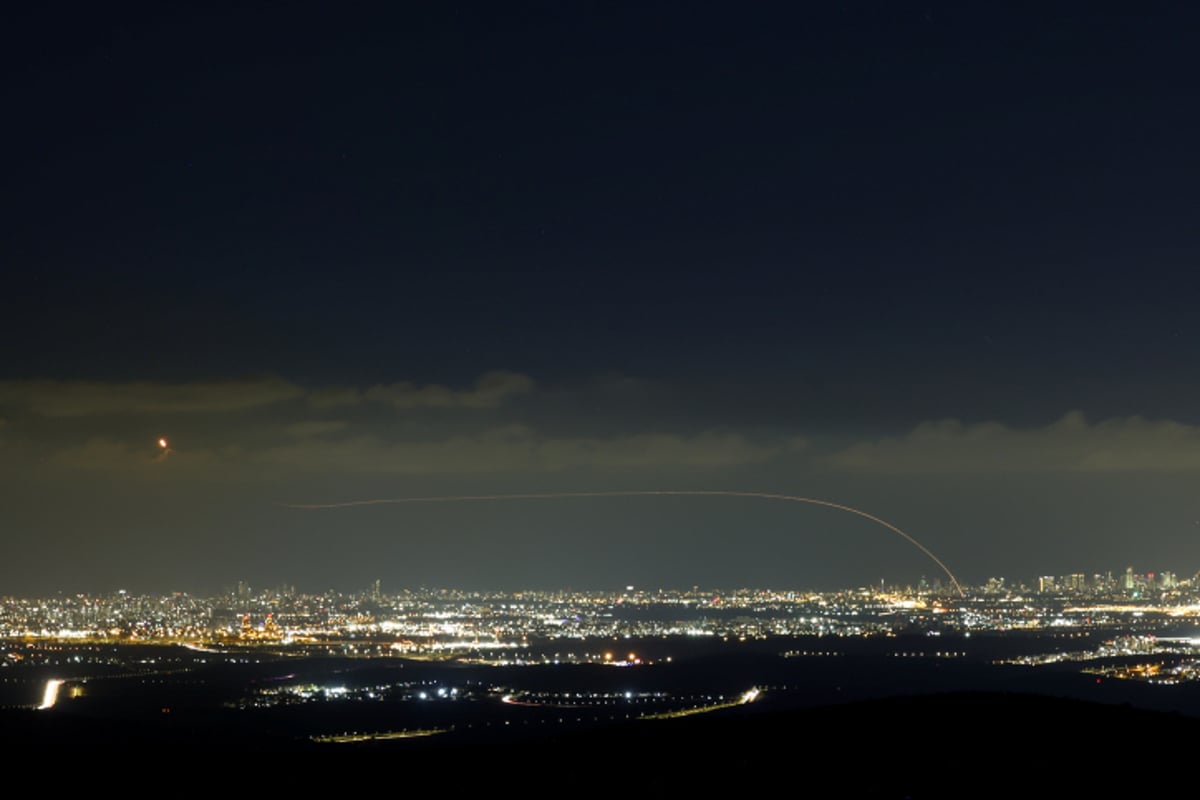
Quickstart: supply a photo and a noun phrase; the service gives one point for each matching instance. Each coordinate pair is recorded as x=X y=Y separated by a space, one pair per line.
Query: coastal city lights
x=375 y=668
x=502 y=627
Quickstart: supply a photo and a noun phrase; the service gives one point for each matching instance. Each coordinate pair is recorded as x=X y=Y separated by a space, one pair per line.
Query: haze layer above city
x=929 y=264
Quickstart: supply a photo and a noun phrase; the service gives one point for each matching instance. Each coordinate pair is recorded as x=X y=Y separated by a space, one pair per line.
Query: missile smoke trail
x=644 y=493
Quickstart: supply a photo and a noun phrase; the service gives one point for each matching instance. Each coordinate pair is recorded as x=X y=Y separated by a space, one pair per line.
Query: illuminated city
x=647 y=399
x=1051 y=620
x=388 y=671
x=455 y=622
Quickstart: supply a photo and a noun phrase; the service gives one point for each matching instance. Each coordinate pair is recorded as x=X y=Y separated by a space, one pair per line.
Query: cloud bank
x=92 y=398
x=517 y=448
x=54 y=398
x=1071 y=444
x=490 y=391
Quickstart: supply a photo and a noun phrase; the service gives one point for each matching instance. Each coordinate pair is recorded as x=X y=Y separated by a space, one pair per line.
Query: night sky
x=936 y=261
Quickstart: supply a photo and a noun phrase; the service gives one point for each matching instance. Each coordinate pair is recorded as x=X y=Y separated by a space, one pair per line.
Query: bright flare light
x=162 y=443
x=50 y=695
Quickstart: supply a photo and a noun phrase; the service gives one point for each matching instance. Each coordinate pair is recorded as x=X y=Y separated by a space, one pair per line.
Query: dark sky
x=936 y=261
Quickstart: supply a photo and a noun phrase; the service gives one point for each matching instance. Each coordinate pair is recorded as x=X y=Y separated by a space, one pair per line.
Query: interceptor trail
x=644 y=493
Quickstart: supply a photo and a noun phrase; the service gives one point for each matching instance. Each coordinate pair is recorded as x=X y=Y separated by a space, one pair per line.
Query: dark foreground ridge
x=953 y=744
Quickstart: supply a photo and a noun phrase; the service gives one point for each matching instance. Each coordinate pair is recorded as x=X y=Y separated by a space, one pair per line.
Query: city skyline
x=1116 y=581
x=930 y=262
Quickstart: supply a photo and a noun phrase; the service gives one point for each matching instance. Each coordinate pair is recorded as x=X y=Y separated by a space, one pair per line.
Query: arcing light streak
x=644 y=493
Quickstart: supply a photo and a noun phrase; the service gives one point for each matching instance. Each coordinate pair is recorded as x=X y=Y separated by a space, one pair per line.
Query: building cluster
x=1107 y=584
x=440 y=619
